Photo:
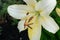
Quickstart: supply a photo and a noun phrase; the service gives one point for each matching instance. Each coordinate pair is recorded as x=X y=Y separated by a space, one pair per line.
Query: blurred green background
x=4 y=17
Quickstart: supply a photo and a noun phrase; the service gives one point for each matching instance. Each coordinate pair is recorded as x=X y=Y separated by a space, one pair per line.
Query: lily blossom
x=58 y=11
x=33 y=16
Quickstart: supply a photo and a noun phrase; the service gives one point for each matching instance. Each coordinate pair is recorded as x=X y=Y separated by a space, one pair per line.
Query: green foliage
x=45 y=34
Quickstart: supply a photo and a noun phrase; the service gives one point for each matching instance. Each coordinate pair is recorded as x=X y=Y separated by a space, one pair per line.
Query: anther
x=30 y=19
x=27 y=13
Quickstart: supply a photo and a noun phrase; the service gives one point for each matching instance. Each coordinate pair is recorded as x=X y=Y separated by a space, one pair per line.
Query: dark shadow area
x=24 y=35
x=11 y=32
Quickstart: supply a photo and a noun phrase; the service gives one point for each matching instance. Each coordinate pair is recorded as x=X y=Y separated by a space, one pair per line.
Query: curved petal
x=18 y=11
x=35 y=32
x=46 y=6
x=21 y=26
x=58 y=11
x=49 y=24
x=30 y=2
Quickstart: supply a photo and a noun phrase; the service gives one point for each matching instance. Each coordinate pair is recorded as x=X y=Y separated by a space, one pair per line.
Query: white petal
x=35 y=32
x=21 y=26
x=46 y=6
x=30 y=2
x=58 y=11
x=18 y=11
x=49 y=24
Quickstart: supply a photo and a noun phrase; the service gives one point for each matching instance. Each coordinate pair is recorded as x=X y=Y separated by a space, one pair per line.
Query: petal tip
x=56 y=30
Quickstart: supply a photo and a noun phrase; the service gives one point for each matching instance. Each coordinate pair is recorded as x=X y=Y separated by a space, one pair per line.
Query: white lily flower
x=33 y=15
x=58 y=11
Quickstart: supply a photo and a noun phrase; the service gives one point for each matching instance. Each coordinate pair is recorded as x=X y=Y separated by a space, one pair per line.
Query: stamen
x=25 y=24
x=29 y=27
x=30 y=24
x=30 y=19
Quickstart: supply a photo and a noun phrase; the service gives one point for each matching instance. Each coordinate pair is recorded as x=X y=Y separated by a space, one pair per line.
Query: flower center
x=37 y=12
x=27 y=24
